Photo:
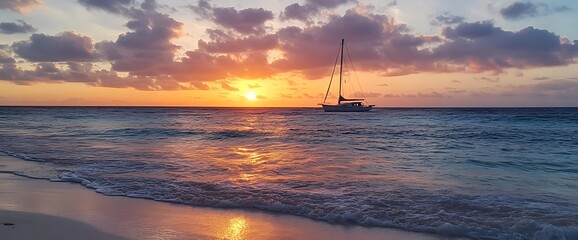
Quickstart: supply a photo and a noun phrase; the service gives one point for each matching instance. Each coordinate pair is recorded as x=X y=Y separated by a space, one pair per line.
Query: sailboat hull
x=345 y=108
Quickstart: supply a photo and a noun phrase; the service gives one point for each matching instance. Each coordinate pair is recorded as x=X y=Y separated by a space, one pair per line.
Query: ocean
x=481 y=173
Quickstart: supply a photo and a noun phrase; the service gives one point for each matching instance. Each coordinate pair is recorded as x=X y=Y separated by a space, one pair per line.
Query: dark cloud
x=143 y=58
x=18 y=5
x=245 y=21
x=67 y=46
x=149 y=5
x=375 y=42
x=311 y=8
x=378 y=44
x=299 y=12
x=147 y=49
x=47 y=72
x=447 y=19
x=519 y=10
x=5 y=56
x=471 y=30
x=221 y=42
x=113 y=6
x=203 y=8
x=328 y=3
x=16 y=27
x=481 y=46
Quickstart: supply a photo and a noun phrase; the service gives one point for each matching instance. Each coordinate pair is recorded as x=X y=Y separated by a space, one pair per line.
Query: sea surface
x=482 y=173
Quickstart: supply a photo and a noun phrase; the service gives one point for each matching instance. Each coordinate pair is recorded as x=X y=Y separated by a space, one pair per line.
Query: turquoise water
x=482 y=173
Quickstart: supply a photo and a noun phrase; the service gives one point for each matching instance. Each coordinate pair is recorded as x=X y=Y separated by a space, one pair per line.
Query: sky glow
x=213 y=53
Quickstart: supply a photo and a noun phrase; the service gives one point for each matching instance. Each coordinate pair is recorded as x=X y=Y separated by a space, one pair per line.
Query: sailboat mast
x=341 y=70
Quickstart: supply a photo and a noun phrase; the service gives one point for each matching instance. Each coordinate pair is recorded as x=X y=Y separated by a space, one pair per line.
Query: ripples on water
x=480 y=173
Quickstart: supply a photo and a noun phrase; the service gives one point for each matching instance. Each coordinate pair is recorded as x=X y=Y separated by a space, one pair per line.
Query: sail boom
x=342 y=99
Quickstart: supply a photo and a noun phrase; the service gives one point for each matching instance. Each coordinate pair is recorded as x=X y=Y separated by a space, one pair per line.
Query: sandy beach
x=60 y=210
x=25 y=225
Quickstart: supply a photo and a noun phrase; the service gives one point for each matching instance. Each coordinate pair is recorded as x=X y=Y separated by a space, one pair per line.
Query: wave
x=440 y=212
x=236 y=133
x=154 y=132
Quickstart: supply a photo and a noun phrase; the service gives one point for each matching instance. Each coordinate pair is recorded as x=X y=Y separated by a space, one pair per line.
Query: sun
x=251 y=96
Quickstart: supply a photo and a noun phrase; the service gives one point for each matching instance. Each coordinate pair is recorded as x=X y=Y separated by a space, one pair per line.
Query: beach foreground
x=25 y=225
x=27 y=202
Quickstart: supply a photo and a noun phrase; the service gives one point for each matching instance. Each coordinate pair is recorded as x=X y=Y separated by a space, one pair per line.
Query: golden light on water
x=236 y=229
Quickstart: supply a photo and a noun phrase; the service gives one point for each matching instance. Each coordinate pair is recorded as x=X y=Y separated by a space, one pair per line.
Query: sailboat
x=343 y=104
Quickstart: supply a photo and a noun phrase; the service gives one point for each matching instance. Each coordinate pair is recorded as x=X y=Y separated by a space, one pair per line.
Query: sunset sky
x=281 y=53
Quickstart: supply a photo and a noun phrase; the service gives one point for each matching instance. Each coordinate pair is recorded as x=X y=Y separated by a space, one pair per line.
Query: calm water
x=480 y=173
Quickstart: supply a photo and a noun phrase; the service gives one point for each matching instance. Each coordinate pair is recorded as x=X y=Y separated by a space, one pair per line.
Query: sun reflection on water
x=236 y=229
x=251 y=155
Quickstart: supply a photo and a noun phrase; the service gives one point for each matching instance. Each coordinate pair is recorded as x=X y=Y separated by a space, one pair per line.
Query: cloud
x=5 y=56
x=149 y=5
x=228 y=87
x=200 y=86
x=520 y=10
x=253 y=86
x=376 y=43
x=221 y=42
x=18 y=5
x=16 y=27
x=489 y=79
x=147 y=53
x=558 y=89
x=299 y=12
x=67 y=46
x=480 y=46
x=145 y=57
x=447 y=19
x=47 y=72
x=367 y=94
x=311 y=8
x=245 y=21
x=147 y=48
x=113 y=6
x=328 y=3
x=418 y=95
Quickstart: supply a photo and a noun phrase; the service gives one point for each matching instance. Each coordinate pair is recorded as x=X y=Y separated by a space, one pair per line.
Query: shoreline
x=135 y=218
